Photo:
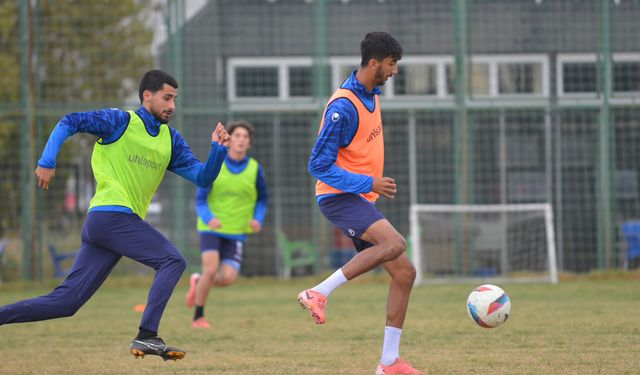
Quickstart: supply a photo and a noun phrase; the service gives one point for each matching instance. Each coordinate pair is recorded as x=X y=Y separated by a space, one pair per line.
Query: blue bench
x=631 y=233
x=58 y=258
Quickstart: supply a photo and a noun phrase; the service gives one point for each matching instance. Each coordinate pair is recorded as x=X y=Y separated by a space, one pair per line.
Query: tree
x=88 y=54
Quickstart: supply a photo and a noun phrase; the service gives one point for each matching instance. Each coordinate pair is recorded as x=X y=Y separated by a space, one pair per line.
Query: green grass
x=576 y=327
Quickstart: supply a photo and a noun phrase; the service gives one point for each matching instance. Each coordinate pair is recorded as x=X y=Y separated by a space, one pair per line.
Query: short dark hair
x=233 y=125
x=153 y=81
x=379 y=45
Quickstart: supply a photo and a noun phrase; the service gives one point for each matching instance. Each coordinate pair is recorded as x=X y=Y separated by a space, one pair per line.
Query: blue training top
x=110 y=124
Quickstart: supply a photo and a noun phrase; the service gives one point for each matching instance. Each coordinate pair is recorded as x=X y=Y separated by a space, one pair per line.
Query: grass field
x=576 y=327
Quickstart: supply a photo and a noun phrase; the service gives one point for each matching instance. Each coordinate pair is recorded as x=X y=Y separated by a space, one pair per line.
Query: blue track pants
x=106 y=237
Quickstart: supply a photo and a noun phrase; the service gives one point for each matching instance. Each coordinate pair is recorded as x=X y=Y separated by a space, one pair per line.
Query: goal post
x=502 y=242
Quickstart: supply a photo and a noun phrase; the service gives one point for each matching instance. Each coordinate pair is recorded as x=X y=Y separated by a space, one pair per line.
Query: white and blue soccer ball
x=488 y=306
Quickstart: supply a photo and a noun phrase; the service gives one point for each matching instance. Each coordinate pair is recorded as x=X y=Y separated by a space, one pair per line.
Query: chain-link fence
x=496 y=101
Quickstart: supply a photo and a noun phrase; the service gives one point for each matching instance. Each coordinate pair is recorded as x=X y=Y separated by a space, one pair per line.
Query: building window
x=256 y=82
x=579 y=78
x=416 y=79
x=428 y=77
x=268 y=78
x=300 y=81
x=578 y=74
x=626 y=77
x=418 y=76
x=520 y=78
x=504 y=76
x=480 y=82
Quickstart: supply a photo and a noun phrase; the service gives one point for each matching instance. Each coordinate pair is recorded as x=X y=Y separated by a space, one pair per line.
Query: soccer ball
x=489 y=306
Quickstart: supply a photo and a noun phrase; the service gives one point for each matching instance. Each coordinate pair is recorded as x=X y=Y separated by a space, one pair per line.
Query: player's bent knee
x=397 y=246
x=222 y=280
x=181 y=262
x=69 y=309
x=210 y=272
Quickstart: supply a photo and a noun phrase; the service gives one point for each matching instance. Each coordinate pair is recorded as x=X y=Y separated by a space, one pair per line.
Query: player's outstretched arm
x=44 y=176
x=185 y=164
x=103 y=123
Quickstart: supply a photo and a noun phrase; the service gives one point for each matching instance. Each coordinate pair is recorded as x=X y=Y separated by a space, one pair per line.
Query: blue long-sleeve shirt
x=110 y=124
x=339 y=127
x=235 y=167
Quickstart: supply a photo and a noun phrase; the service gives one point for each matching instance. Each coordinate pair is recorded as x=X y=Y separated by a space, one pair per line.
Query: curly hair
x=379 y=45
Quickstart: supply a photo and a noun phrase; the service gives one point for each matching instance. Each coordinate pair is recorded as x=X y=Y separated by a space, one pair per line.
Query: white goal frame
x=415 y=209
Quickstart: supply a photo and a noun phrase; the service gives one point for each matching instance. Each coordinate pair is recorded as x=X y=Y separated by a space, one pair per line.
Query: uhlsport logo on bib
x=141 y=160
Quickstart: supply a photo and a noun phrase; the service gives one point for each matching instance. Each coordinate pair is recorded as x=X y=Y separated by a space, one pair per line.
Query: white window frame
x=591 y=58
x=572 y=58
x=617 y=96
x=439 y=61
x=494 y=80
x=495 y=60
x=624 y=57
x=477 y=59
x=474 y=60
x=281 y=63
x=337 y=63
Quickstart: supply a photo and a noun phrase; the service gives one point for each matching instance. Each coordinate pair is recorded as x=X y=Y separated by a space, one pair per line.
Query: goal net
x=513 y=242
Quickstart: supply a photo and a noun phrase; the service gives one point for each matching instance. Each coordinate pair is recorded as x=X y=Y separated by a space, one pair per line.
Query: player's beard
x=380 y=77
x=158 y=116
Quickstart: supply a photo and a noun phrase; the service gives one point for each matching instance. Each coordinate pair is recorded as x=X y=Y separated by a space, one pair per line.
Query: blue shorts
x=230 y=250
x=352 y=214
